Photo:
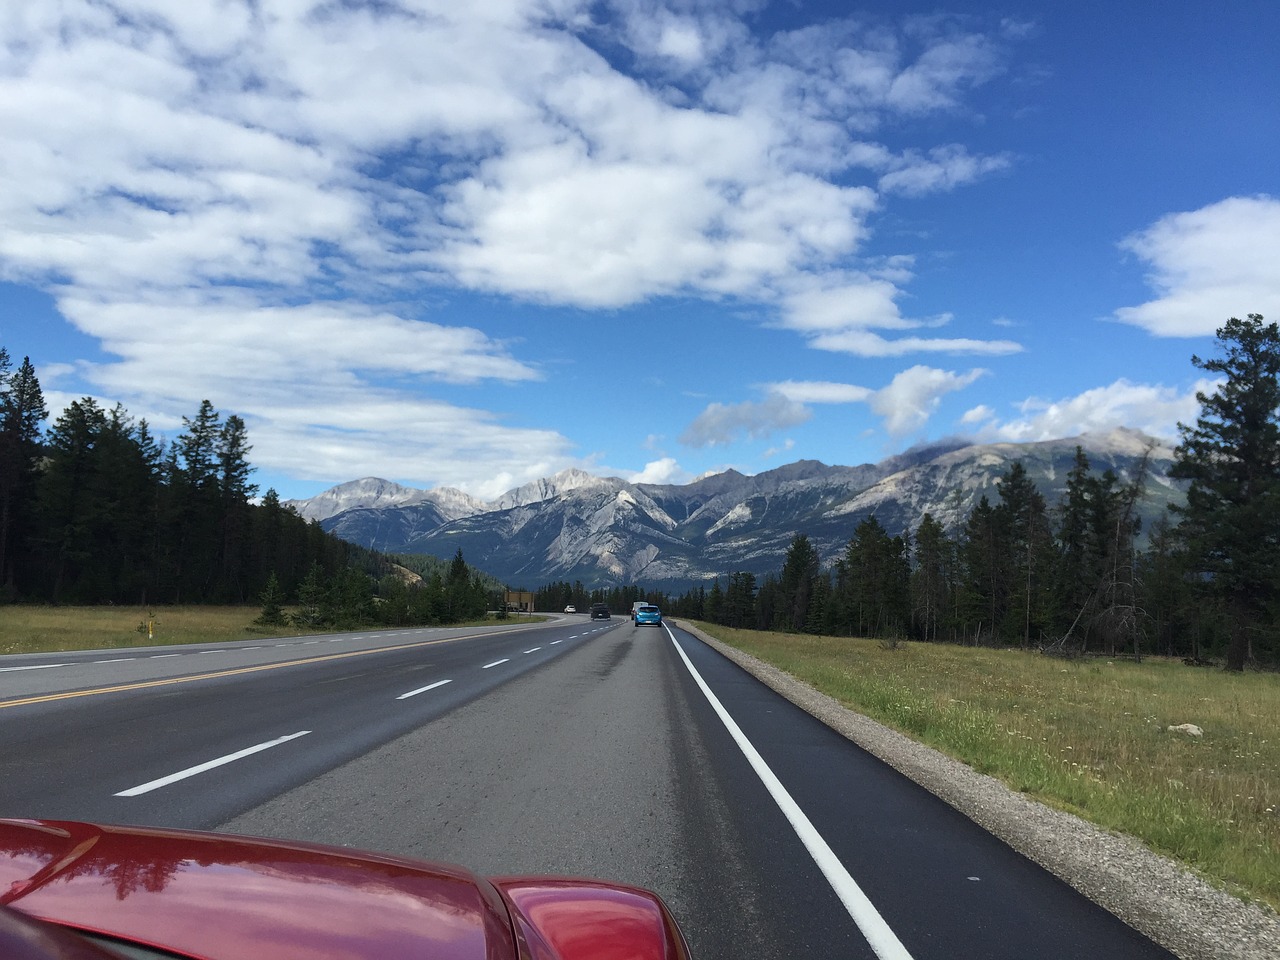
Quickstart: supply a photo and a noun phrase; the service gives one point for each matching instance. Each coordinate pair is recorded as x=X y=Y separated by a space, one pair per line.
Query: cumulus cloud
x=904 y=405
x=841 y=312
x=665 y=470
x=912 y=397
x=242 y=175
x=1208 y=265
x=1152 y=408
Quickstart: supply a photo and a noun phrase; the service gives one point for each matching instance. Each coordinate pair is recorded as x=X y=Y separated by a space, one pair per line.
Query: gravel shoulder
x=1153 y=894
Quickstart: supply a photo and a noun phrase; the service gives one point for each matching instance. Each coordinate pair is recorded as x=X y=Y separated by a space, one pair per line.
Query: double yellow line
x=123 y=687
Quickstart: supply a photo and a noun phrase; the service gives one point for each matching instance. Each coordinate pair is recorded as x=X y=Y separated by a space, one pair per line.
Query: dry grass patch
x=26 y=629
x=1090 y=737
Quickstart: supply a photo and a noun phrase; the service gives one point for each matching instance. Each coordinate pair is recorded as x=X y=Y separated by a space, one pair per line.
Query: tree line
x=1068 y=577
x=96 y=509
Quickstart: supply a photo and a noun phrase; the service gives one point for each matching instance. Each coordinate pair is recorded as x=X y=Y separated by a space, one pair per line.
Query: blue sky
x=471 y=245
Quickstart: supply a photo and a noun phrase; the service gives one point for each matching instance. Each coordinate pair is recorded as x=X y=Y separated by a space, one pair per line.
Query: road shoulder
x=1153 y=894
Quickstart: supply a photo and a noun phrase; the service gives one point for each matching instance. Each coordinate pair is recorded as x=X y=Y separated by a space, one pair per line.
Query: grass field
x=41 y=629
x=44 y=629
x=1090 y=737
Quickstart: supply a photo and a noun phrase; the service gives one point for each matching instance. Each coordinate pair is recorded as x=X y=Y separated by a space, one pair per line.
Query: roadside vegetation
x=1089 y=736
x=43 y=629
x=1069 y=576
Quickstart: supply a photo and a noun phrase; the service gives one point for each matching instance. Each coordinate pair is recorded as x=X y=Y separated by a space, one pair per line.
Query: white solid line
x=882 y=939
x=495 y=663
x=534 y=650
x=38 y=666
x=201 y=768
x=429 y=686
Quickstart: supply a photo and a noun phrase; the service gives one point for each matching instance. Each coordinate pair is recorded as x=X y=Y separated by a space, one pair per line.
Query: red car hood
x=223 y=897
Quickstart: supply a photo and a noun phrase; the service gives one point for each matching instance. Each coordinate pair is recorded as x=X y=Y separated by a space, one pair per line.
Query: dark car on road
x=600 y=611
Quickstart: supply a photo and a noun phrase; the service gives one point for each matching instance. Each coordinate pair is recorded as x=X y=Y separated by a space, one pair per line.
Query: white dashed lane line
x=496 y=663
x=429 y=686
x=209 y=765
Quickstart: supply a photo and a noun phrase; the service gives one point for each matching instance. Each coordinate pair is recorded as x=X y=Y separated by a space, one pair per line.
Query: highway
x=597 y=748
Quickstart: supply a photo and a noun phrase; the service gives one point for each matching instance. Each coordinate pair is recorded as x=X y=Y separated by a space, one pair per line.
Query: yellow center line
x=146 y=684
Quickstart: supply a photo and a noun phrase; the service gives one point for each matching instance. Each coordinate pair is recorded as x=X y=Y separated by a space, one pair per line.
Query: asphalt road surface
x=632 y=753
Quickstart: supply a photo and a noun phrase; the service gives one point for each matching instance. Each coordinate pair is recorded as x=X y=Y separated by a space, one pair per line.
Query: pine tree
x=796 y=583
x=273 y=614
x=1022 y=523
x=1231 y=519
x=930 y=589
x=22 y=411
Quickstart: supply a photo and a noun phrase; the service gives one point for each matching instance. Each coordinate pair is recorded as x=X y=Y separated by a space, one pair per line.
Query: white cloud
x=722 y=423
x=238 y=175
x=904 y=405
x=1154 y=409
x=1208 y=265
x=908 y=402
x=787 y=446
x=820 y=391
x=864 y=343
x=942 y=168
x=840 y=312
x=665 y=470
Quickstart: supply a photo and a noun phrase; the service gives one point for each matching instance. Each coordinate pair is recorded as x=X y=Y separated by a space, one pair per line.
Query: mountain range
x=607 y=531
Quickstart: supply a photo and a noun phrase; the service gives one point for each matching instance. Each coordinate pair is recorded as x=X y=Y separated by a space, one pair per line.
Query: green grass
x=26 y=629
x=1090 y=737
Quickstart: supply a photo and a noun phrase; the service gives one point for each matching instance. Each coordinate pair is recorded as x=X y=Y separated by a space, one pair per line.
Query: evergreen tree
x=714 y=607
x=795 y=585
x=1231 y=519
x=69 y=513
x=22 y=411
x=930 y=586
x=311 y=599
x=1076 y=574
x=235 y=490
x=740 y=600
x=985 y=563
x=272 y=597
x=1022 y=525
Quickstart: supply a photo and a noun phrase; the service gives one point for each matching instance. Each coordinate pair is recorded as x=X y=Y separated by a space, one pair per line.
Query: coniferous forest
x=1068 y=577
x=96 y=509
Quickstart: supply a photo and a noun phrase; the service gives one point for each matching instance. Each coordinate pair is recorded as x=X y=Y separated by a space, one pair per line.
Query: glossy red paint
x=223 y=897
x=583 y=920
